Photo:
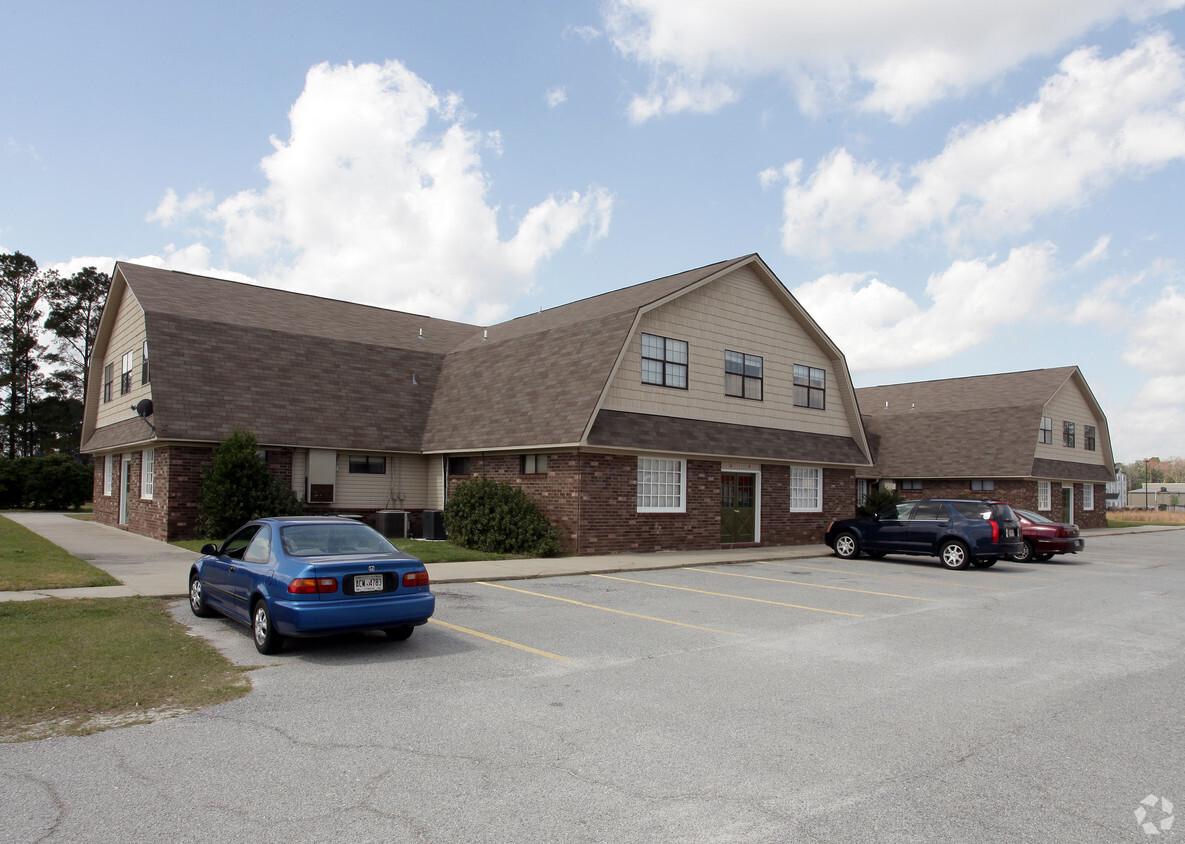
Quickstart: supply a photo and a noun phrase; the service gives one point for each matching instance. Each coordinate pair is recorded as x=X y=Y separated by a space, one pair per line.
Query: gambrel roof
x=977 y=427
x=312 y=372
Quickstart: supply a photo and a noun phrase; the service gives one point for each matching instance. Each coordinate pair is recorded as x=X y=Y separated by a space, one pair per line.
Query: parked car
x=960 y=532
x=1044 y=537
x=310 y=576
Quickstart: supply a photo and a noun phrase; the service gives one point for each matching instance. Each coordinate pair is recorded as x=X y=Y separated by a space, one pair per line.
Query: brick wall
x=779 y=526
x=1020 y=494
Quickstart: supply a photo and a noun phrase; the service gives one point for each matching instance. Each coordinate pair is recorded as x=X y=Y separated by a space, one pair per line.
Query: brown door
x=738 y=508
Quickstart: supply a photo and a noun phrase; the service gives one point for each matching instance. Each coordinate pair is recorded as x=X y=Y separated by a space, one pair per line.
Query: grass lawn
x=74 y=667
x=29 y=562
x=428 y=552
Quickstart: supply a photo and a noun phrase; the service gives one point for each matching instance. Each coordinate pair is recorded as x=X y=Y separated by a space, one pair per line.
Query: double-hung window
x=1045 y=435
x=1068 y=434
x=125 y=377
x=1044 y=495
x=806 y=489
x=743 y=375
x=108 y=472
x=147 y=470
x=108 y=381
x=365 y=464
x=1088 y=437
x=1088 y=496
x=144 y=365
x=664 y=361
x=662 y=485
x=810 y=387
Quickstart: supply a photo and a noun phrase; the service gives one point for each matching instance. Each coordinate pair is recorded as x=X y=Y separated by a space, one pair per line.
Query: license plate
x=368 y=583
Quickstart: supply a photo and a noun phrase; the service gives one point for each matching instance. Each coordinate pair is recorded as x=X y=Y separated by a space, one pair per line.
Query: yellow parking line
x=609 y=609
x=813 y=585
x=496 y=639
x=726 y=595
x=935 y=582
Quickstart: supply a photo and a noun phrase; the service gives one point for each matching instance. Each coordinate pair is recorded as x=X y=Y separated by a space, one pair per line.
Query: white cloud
x=897 y=57
x=1154 y=341
x=880 y=327
x=378 y=196
x=555 y=96
x=1095 y=120
x=1097 y=253
x=171 y=208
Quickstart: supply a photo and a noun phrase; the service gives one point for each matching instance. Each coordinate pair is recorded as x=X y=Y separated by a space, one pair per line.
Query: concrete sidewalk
x=148 y=567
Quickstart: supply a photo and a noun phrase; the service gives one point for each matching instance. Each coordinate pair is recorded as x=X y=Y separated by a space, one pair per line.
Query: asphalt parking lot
x=785 y=700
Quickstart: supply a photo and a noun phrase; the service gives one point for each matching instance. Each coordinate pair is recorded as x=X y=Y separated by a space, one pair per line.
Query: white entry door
x=125 y=469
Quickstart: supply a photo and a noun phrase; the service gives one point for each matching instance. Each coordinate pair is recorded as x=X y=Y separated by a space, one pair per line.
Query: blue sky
x=948 y=190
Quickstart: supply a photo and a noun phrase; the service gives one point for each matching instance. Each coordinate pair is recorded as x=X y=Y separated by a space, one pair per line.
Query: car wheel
x=399 y=634
x=954 y=555
x=197 y=597
x=1025 y=555
x=846 y=546
x=267 y=640
x=984 y=562
x=1041 y=558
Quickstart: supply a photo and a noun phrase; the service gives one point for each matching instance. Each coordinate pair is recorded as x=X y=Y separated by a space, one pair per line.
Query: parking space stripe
x=506 y=642
x=812 y=585
x=889 y=577
x=610 y=609
x=726 y=595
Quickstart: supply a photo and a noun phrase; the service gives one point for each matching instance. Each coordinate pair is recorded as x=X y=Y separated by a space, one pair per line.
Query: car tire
x=847 y=546
x=954 y=555
x=267 y=640
x=197 y=598
x=399 y=634
x=1043 y=558
x=1026 y=554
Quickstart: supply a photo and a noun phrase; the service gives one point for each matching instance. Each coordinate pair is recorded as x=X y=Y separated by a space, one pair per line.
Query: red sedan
x=1043 y=538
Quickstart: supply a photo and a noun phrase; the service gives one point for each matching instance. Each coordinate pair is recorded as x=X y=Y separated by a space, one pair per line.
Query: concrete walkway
x=148 y=567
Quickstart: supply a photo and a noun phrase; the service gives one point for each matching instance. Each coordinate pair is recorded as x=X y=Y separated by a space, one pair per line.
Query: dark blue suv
x=960 y=532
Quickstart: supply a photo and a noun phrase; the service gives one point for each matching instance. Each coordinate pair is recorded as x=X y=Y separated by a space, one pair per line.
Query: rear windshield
x=985 y=510
x=327 y=540
x=1035 y=517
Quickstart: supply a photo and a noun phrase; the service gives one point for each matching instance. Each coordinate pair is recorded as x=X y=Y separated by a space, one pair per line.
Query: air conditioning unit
x=434 y=524
x=395 y=524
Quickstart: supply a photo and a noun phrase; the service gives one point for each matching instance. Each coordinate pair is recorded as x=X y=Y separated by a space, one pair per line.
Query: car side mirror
x=209 y=548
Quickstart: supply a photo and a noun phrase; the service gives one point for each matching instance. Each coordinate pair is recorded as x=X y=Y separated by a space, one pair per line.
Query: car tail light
x=415 y=578
x=995 y=530
x=312 y=585
x=1061 y=531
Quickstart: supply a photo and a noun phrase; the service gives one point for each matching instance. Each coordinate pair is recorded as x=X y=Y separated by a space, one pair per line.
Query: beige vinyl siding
x=127 y=335
x=409 y=475
x=737 y=313
x=1069 y=405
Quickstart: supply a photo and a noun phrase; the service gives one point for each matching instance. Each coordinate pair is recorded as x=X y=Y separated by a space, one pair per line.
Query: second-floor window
x=144 y=365
x=125 y=376
x=1045 y=435
x=1088 y=437
x=664 y=361
x=1068 y=434
x=743 y=375
x=108 y=381
x=810 y=387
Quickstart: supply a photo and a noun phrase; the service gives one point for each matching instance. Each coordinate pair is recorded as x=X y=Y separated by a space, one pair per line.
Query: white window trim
x=654 y=464
x=1044 y=496
x=1088 y=496
x=799 y=471
x=108 y=473
x=147 y=468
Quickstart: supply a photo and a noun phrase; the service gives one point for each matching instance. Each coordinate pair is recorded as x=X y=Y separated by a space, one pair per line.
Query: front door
x=125 y=469
x=738 y=508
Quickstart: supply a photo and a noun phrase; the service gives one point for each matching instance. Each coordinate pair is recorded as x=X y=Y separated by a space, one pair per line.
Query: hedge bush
x=493 y=516
x=879 y=499
x=237 y=487
x=54 y=482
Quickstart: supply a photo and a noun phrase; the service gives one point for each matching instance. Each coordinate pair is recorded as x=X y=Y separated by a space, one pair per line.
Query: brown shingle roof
x=977 y=427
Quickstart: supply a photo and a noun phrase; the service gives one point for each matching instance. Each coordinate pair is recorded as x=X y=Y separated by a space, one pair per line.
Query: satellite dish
x=144 y=408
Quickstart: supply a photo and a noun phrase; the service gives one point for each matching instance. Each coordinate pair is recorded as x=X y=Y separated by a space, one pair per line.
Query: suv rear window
x=1002 y=512
x=974 y=509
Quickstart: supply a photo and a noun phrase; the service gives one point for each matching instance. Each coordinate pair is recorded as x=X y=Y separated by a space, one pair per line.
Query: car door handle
x=231 y=569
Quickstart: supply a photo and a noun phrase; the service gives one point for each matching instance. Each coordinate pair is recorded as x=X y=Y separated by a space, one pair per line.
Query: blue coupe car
x=310 y=576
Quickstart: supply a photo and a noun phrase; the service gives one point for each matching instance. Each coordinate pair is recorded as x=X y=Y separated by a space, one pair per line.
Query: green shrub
x=877 y=500
x=237 y=487
x=54 y=482
x=492 y=516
